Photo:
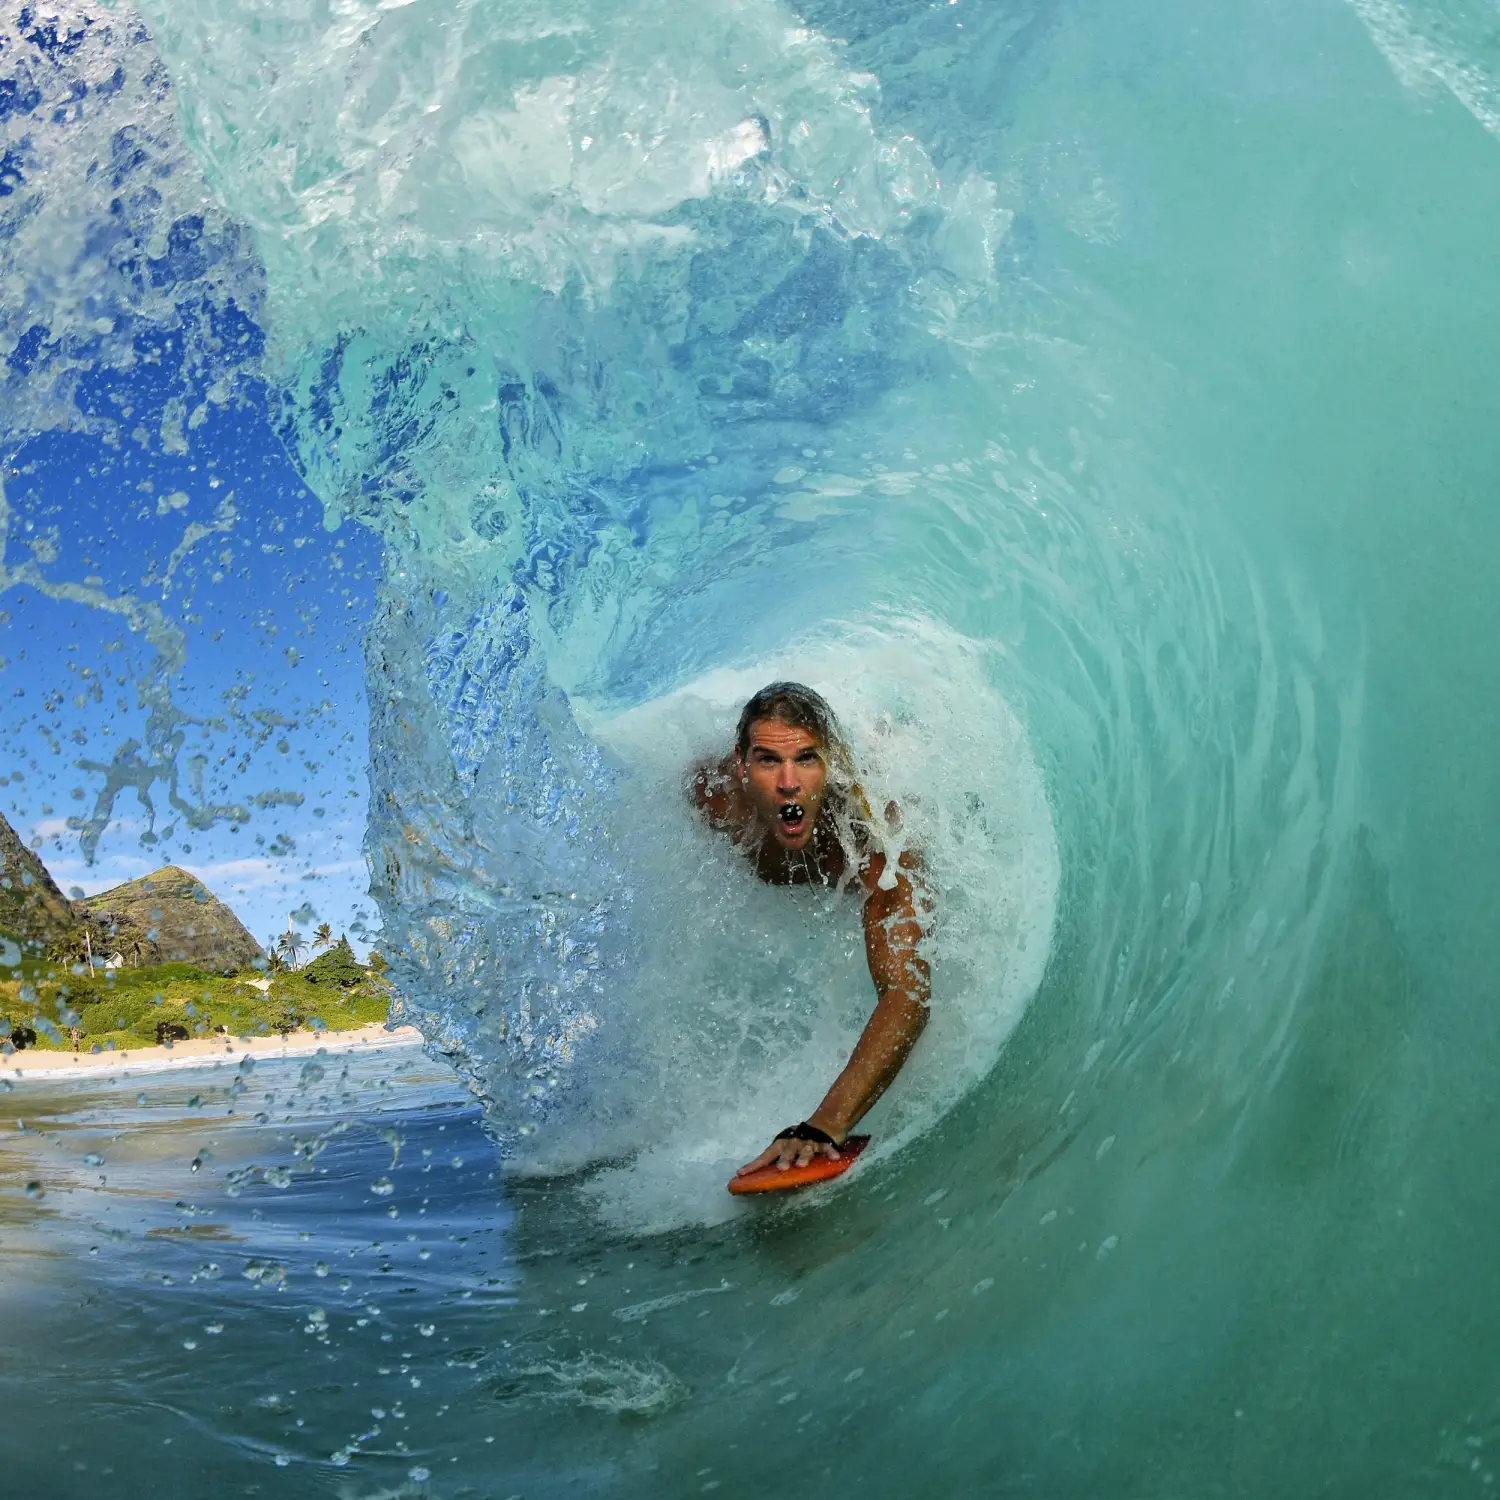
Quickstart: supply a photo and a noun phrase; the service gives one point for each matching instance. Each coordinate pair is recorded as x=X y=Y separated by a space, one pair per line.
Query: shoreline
x=55 y=1066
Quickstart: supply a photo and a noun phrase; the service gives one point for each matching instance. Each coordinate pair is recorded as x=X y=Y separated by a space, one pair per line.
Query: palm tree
x=323 y=937
x=72 y=948
x=289 y=945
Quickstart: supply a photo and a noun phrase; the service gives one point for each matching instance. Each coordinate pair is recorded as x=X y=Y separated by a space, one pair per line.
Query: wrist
x=830 y=1125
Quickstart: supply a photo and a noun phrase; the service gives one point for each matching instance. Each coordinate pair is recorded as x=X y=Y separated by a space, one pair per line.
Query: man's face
x=785 y=779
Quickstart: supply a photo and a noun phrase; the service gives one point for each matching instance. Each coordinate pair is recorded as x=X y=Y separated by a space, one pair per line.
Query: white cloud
x=259 y=873
x=57 y=828
x=49 y=828
x=103 y=876
x=241 y=874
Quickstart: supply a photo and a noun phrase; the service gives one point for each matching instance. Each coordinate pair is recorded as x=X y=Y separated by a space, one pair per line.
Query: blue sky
x=217 y=533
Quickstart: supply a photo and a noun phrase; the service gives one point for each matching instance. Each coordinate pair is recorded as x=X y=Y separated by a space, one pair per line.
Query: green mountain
x=169 y=916
x=32 y=909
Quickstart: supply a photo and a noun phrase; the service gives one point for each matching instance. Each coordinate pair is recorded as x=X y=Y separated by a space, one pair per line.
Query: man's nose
x=790 y=780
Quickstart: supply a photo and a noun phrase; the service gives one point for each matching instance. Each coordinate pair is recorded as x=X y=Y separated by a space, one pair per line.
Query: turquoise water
x=1097 y=403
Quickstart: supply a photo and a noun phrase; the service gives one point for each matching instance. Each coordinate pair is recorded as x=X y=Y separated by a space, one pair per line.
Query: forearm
x=903 y=987
x=891 y=1032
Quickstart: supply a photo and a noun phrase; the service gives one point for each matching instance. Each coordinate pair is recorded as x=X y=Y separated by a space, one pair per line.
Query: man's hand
x=788 y=1151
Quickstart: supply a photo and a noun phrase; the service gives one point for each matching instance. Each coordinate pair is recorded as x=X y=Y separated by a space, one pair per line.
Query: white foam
x=746 y=999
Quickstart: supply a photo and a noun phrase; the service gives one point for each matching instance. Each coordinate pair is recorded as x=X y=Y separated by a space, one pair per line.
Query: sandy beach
x=204 y=1052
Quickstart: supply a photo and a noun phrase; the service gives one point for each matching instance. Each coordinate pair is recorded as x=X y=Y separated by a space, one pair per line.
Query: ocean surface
x=1097 y=402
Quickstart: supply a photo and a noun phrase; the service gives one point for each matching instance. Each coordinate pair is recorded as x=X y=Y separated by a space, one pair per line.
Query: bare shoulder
x=717 y=795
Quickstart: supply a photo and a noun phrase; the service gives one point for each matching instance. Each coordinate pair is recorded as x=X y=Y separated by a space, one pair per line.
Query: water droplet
x=382 y=1187
x=321 y=1268
x=419 y=1475
x=427 y=1330
x=34 y=1190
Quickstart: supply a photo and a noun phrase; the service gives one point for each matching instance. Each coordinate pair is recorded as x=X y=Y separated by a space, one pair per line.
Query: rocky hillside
x=32 y=909
x=167 y=917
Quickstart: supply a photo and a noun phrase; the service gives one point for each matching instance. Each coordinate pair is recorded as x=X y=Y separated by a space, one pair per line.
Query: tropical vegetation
x=124 y=1008
x=160 y=959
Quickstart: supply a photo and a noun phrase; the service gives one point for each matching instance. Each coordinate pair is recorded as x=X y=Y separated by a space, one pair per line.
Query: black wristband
x=806 y=1132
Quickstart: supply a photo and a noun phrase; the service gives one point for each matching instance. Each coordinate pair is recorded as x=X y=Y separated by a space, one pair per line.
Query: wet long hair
x=801 y=707
x=795 y=704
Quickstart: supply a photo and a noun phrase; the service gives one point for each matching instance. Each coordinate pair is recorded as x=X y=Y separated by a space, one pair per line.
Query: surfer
x=788 y=798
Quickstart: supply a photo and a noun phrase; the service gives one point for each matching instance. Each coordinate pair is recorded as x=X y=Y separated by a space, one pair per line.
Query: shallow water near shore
x=312 y=1265
x=231 y=1266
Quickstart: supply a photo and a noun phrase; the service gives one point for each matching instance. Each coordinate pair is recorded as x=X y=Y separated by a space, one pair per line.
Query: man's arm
x=903 y=988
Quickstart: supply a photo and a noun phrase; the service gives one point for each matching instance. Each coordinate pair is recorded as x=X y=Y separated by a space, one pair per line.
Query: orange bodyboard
x=773 y=1180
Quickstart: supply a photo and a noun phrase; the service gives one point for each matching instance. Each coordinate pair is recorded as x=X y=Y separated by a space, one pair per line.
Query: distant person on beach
x=787 y=796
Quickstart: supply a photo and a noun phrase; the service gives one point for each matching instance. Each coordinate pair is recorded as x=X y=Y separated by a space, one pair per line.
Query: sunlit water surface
x=224 y=1261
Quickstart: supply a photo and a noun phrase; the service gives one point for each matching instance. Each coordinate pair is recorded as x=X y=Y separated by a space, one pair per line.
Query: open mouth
x=793 y=817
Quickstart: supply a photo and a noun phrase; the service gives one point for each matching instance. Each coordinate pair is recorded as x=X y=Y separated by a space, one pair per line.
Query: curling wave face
x=633 y=375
